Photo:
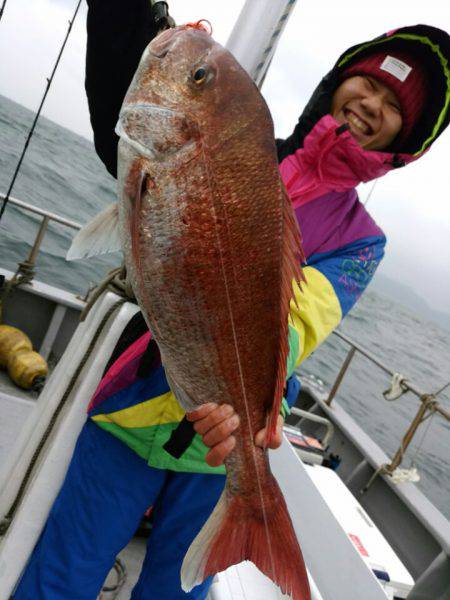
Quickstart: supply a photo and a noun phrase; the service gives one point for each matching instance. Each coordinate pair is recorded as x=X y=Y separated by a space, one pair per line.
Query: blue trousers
x=99 y=507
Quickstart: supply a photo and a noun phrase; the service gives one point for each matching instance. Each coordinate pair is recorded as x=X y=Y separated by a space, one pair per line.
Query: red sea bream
x=212 y=248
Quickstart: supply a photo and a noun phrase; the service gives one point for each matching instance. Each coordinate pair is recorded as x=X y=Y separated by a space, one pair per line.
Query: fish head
x=188 y=93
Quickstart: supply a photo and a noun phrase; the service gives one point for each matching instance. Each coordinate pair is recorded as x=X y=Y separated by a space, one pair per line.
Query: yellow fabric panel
x=156 y=411
x=317 y=314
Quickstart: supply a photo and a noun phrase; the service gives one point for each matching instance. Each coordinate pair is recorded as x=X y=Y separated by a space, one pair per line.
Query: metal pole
x=442 y=411
x=25 y=271
x=412 y=388
x=370 y=356
x=44 y=213
x=256 y=33
x=38 y=241
x=30 y=133
x=428 y=403
x=339 y=378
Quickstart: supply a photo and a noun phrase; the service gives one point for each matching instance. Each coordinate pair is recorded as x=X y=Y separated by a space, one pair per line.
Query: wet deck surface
x=131 y=557
x=15 y=406
x=8 y=387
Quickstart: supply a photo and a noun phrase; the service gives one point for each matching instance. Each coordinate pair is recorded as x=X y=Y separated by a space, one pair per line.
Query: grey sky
x=412 y=205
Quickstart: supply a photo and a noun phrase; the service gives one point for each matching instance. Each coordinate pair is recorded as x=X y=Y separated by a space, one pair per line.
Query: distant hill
x=403 y=294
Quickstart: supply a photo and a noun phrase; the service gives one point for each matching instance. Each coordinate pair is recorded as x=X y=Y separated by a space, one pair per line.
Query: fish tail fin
x=99 y=236
x=236 y=532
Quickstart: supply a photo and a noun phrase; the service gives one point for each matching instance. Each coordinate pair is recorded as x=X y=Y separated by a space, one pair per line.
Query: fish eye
x=200 y=75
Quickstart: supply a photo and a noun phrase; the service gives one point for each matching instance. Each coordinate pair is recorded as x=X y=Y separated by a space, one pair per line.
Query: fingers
x=201 y=412
x=219 y=452
x=216 y=424
x=276 y=440
x=221 y=432
x=206 y=419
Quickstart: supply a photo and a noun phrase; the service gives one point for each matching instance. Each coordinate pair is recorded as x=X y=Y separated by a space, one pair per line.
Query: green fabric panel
x=138 y=439
x=294 y=350
x=285 y=410
x=192 y=461
x=443 y=61
x=148 y=443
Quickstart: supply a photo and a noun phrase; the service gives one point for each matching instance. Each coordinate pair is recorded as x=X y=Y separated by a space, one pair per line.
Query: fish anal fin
x=293 y=257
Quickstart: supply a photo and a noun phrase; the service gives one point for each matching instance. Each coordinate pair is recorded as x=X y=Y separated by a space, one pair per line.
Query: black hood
x=428 y=44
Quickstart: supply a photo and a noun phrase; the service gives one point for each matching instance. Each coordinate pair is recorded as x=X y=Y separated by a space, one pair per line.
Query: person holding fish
x=380 y=108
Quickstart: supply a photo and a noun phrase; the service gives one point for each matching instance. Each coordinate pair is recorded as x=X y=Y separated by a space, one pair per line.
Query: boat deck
x=132 y=557
x=9 y=388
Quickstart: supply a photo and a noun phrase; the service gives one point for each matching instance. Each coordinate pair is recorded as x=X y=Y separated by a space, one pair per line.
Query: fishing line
x=442 y=389
x=30 y=133
x=369 y=195
x=241 y=375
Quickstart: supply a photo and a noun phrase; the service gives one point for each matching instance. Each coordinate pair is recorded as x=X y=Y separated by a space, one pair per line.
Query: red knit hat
x=404 y=75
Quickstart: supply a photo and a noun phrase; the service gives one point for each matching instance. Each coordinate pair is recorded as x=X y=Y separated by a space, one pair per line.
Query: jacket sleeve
x=334 y=283
x=117 y=34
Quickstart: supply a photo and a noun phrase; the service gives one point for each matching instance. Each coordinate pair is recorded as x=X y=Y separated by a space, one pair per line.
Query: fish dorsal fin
x=99 y=236
x=293 y=257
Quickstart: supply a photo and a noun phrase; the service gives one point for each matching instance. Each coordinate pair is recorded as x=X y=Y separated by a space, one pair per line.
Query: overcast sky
x=411 y=205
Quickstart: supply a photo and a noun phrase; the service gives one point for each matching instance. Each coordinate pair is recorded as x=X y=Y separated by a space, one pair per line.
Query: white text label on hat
x=396 y=67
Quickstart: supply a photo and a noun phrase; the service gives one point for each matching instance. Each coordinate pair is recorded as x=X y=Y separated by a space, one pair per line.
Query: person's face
x=370 y=108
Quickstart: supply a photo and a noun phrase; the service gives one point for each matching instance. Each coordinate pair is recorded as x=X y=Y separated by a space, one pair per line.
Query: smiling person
x=381 y=107
x=381 y=98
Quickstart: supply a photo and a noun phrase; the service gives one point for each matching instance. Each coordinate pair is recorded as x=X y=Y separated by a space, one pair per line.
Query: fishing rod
x=2 y=9
x=30 y=133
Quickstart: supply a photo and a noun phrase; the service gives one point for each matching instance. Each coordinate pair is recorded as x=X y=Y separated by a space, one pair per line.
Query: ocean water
x=62 y=173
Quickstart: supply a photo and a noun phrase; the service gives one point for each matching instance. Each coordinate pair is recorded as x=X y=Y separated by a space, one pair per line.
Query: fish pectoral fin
x=99 y=236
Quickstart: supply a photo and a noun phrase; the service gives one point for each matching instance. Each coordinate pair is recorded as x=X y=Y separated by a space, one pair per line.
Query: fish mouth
x=156 y=132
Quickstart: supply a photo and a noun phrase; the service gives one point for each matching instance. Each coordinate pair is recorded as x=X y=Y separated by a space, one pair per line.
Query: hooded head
x=412 y=64
x=382 y=97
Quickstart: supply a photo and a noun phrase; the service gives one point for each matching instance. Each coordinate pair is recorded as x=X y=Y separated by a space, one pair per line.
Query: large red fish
x=212 y=248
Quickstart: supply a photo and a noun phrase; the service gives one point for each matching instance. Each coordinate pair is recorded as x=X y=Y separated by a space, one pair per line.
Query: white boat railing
x=428 y=402
x=44 y=213
x=25 y=269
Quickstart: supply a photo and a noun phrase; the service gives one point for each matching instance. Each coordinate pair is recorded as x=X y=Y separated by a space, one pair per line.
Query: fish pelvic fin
x=291 y=270
x=236 y=532
x=99 y=236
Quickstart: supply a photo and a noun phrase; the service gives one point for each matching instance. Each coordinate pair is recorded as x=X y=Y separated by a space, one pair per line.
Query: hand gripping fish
x=212 y=248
